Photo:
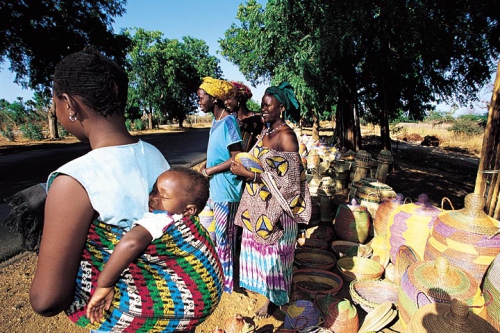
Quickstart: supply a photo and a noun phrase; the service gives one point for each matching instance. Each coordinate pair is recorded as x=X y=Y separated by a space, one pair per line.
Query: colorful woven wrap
x=411 y=224
x=174 y=286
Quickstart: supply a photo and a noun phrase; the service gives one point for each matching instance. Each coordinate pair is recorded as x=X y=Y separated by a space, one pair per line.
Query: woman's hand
x=238 y=169
x=100 y=301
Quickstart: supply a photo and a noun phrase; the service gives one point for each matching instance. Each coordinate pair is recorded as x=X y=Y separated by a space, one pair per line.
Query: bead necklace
x=269 y=130
x=222 y=112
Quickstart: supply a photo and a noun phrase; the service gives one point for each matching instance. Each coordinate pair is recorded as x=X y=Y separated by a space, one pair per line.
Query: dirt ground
x=436 y=172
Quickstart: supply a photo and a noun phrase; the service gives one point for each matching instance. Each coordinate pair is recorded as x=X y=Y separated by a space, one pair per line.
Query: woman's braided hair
x=99 y=81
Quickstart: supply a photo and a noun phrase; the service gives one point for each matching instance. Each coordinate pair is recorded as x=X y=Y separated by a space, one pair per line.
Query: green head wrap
x=285 y=95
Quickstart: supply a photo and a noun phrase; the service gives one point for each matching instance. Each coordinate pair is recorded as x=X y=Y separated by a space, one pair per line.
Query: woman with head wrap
x=273 y=202
x=225 y=187
x=250 y=122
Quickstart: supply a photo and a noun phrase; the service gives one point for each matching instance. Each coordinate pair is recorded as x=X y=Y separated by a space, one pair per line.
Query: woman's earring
x=72 y=118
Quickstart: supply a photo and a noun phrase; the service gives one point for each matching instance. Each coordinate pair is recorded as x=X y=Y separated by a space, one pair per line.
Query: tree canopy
x=36 y=35
x=367 y=59
x=165 y=73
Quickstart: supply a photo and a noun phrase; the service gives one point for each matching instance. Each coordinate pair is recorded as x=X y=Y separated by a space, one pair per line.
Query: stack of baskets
x=436 y=282
x=410 y=224
x=468 y=238
x=369 y=192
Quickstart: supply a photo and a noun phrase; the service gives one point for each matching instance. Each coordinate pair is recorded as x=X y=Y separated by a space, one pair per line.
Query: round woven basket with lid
x=384 y=210
x=491 y=286
x=352 y=222
x=448 y=318
x=436 y=282
x=468 y=238
x=410 y=224
x=369 y=192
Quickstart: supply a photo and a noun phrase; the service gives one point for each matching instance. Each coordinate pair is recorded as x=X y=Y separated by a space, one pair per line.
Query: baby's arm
x=126 y=251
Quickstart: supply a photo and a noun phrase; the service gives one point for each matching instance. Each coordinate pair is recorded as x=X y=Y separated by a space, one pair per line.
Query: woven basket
x=410 y=224
x=342 y=317
x=352 y=222
x=448 y=318
x=314 y=281
x=369 y=294
x=300 y=315
x=363 y=159
x=313 y=258
x=320 y=232
x=385 y=208
x=350 y=249
x=323 y=302
x=313 y=243
x=468 y=238
x=436 y=282
x=357 y=268
x=404 y=259
x=492 y=287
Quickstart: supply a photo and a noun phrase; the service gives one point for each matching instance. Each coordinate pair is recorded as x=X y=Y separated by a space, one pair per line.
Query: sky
x=202 y=19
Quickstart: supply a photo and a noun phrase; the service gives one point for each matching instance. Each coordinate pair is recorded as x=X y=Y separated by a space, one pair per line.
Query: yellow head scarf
x=218 y=88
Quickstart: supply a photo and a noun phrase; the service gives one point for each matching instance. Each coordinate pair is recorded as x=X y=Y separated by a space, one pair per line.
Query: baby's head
x=179 y=191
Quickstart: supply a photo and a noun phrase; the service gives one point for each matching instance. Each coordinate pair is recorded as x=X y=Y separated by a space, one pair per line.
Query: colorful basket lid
x=249 y=161
x=453 y=317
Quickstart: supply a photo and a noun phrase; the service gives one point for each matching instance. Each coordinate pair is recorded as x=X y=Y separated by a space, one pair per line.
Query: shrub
x=62 y=132
x=8 y=134
x=32 y=131
x=139 y=125
x=128 y=125
x=465 y=126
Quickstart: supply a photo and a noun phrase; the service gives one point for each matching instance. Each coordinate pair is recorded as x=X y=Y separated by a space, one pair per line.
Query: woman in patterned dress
x=273 y=202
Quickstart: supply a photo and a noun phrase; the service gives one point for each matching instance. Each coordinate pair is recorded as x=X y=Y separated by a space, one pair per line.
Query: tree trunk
x=385 y=135
x=315 y=125
x=52 y=122
x=150 y=120
x=348 y=127
x=490 y=143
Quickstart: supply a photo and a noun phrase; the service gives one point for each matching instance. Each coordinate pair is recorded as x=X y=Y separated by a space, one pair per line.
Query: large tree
x=36 y=35
x=165 y=74
x=368 y=58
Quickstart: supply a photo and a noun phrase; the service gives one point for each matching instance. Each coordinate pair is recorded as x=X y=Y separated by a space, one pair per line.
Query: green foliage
x=7 y=133
x=440 y=116
x=32 y=131
x=68 y=25
x=166 y=73
x=466 y=126
x=139 y=125
x=128 y=125
x=379 y=58
x=481 y=120
x=62 y=131
x=253 y=106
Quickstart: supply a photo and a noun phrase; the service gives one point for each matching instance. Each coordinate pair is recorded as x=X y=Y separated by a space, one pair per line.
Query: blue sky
x=202 y=19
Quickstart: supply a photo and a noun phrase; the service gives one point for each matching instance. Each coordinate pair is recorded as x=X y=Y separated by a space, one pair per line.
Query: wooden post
x=490 y=141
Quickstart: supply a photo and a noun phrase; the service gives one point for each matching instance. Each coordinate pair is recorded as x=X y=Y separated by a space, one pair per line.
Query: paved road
x=23 y=167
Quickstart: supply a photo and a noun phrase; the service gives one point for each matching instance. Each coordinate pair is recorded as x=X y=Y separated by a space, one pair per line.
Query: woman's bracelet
x=254 y=176
x=204 y=172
